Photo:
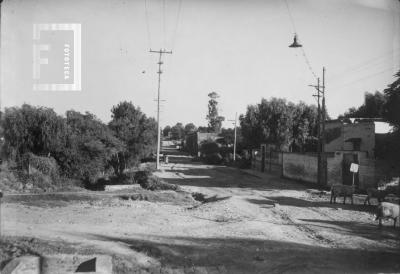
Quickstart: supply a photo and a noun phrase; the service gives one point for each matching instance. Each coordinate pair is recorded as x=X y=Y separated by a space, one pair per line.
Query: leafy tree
x=392 y=104
x=166 y=131
x=91 y=145
x=251 y=127
x=31 y=129
x=391 y=114
x=214 y=120
x=190 y=128
x=136 y=130
x=373 y=107
x=80 y=143
x=278 y=122
x=202 y=129
x=177 y=131
x=229 y=136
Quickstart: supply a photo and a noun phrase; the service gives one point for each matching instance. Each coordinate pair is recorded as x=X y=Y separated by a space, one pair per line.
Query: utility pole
x=318 y=95
x=321 y=177
x=160 y=52
x=324 y=177
x=234 y=143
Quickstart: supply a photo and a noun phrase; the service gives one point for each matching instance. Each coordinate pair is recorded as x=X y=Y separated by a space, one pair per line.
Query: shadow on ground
x=366 y=230
x=241 y=255
x=298 y=202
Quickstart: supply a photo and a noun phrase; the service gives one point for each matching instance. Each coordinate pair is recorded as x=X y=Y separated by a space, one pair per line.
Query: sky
x=238 y=49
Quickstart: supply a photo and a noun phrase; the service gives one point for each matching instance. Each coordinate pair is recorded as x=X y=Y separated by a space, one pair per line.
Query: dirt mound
x=225 y=209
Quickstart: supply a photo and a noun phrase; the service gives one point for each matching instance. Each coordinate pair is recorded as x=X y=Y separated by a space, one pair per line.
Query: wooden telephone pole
x=160 y=52
x=234 y=143
x=321 y=175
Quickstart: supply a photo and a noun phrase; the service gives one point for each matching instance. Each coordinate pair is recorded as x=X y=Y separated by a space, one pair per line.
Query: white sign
x=354 y=167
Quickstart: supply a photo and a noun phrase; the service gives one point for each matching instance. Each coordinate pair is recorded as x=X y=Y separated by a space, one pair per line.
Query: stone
x=23 y=265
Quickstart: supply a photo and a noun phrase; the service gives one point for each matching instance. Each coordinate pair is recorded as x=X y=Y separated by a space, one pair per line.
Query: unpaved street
x=246 y=222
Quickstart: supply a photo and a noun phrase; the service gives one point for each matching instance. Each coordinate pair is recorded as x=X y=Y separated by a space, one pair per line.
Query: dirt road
x=246 y=223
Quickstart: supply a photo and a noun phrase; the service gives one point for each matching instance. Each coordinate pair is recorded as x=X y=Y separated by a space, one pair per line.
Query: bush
x=38 y=182
x=209 y=147
x=45 y=165
x=150 y=182
x=8 y=181
x=213 y=159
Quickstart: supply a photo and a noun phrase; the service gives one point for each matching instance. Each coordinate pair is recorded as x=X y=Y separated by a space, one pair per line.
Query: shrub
x=209 y=147
x=150 y=182
x=45 y=165
x=213 y=159
x=8 y=181
x=39 y=182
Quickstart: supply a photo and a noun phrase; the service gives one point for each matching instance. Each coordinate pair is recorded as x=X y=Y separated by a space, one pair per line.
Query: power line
x=360 y=79
x=308 y=63
x=366 y=64
x=164 y=23
x=290 y=16
x=176 y=24
x=302 y=49
x=147 y=23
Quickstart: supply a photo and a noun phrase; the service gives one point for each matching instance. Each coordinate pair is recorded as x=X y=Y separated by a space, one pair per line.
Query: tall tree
x=177 y=131
x=190 y=128
x=373 y=107
x=32 y=129
x=214 y=120
x=166 y=131
x=136 y=130
x=392 y=104
x=278 y=122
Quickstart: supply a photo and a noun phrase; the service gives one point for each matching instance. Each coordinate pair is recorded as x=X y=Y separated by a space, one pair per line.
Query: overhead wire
x=147 y=23
x=176 y=25
x=365 y=65
x=363 y=78
x=290 y=16
x=164 y=24
x=308 y=63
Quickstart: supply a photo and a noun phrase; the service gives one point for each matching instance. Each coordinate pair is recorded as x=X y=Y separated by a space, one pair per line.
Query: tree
x=31 y=129
x=280 y=123
x=177 y=131
x=190 y=128
x=136 y=130
x=166 y=131
x=392 y=105
x=90 y=147
x=373 y=107
x=392 y=115
x=214 y=120
x=229 y=136
x=80 y=143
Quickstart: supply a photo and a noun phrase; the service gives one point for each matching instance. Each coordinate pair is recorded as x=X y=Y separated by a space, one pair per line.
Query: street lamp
x=295 y=44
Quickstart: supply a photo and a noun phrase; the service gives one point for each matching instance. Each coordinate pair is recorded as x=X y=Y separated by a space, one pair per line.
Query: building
x=347 y=142
x=354 y=135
